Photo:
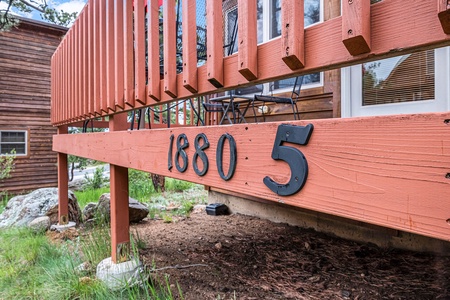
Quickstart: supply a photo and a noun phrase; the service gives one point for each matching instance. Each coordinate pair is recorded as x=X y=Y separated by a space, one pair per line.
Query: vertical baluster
x=248 y=40
x=119 y=54
x=86 y=61
x=189 y=45
x=80 y=65
x=356 y=26
x=91 y=62
x=103 y=58
x=293 y=34
x=444 y=15
x=214 y=43
x=76 y=59
x=170 y=50
x=154 y=72
x=139 y=54
x=110 y=52
x=97 y=54
x=71 y=83
x=128 y=53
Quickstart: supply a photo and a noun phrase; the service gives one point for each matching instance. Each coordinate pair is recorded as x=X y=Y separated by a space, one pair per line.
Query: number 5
x=295 y=159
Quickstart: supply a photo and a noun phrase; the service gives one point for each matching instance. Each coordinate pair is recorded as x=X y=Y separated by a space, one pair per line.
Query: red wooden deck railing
x=104 y=66
x=391 y=171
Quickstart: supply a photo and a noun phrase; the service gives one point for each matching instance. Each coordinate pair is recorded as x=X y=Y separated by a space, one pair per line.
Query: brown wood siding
x=25 y=54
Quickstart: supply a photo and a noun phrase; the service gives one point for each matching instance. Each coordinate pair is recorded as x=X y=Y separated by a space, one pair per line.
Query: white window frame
x=351 y=92
x=26 y=143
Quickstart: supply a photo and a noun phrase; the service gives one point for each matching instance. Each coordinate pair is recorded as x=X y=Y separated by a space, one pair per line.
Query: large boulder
x=23 y=209
x=137 y=210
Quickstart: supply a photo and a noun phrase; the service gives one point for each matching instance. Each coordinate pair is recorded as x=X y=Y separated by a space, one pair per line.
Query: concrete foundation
x=341 y=227
x=121 y=275
x=62 y=228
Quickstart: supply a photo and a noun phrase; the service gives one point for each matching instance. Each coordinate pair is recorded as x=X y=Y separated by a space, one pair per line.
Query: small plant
x=7 y=164
x=90 y=195
x=167 y=218
x=97 y=180
x=4 y=198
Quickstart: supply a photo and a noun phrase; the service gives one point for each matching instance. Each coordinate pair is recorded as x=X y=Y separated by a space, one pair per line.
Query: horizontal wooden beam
x=390 y=171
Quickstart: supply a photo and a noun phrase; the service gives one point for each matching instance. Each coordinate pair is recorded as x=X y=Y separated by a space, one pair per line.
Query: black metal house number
x=292 y=156
x=201 y=143
x=299 y=135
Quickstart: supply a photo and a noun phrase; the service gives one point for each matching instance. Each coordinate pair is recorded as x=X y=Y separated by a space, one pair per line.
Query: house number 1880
x=201 y=143
x=286 y=133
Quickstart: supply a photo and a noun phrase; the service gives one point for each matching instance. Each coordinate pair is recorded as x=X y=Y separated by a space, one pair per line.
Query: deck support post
x=120 y=236
x=63 y=184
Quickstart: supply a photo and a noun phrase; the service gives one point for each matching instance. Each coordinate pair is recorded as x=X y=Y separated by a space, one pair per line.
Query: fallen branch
x=179 y=267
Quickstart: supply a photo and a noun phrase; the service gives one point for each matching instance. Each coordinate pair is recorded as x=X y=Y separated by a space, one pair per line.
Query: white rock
x=121 y=275
x=40 y=224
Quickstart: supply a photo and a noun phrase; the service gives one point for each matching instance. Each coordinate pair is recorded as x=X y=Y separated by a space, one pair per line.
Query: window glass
x=13 y=140
x=399 y=79
x=312 y=16
x=231 y=45
x=312 y=12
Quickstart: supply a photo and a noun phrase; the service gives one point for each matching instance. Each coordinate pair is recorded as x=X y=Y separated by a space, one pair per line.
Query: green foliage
x=7 y=164
x=176 y=185
x=4 y=198
x=97 y=180
x=33 y=268
x=90 y=195
x=140 y=185
x=48 y=13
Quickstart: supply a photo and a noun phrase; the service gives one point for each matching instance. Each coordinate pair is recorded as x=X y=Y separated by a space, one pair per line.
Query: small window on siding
x=13 y=140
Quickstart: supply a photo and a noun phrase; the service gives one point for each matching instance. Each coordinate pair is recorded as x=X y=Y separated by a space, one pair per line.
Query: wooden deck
x=390 y=171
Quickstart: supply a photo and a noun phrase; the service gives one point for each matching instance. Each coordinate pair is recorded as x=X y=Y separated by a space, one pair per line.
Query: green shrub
x=97 y=180
x=86 y=196
x=7 y=164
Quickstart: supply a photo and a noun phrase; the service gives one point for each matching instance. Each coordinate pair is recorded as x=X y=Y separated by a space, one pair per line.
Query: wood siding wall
x=25 y=54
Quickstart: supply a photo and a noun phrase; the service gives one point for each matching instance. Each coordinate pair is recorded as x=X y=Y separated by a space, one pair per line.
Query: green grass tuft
x=33 y=268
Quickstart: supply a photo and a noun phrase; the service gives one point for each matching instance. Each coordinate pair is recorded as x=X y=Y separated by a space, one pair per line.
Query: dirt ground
x=241 y=257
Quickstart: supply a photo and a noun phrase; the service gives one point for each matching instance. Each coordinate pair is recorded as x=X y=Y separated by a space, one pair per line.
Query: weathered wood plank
x=444 y=15
x=119 y=55
x=110 y=54
x=247 y=40
x=170 y=50
x=189 y=45
x=154 y=73
x=139 y=56
x=389 y=171
x=293 y=34
x=91 y=46
x=356 y=26
x=129 y=54
x=103 y=60
x=214 y=63
x=120 y=235
x=63 y=188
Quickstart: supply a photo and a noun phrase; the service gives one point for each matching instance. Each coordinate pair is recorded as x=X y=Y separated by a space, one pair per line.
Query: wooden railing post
x=214 y=62
x=248 y=40
x=293 y=34
x=120 y=236
x=444 y=15
x=63 y=184
x=356 y=26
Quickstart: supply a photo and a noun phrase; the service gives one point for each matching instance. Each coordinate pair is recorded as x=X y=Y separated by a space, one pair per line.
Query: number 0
x=233 y=156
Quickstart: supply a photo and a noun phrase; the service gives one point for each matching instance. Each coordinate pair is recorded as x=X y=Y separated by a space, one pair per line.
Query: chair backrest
x=297 y=86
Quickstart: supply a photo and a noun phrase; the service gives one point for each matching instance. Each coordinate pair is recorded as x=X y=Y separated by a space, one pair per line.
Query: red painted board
x=390 y=171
